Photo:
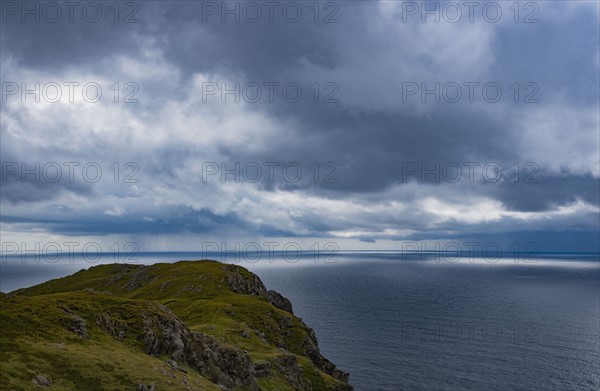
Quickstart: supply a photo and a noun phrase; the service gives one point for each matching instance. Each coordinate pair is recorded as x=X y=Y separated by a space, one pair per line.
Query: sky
x=354 y=124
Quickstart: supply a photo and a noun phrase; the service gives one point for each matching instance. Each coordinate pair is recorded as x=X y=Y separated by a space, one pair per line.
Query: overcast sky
x=335 y=139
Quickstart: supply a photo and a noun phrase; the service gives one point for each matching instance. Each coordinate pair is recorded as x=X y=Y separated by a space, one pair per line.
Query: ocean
x=404 y=323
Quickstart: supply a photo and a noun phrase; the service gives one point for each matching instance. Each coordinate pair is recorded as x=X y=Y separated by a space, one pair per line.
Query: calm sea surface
x=399 y=324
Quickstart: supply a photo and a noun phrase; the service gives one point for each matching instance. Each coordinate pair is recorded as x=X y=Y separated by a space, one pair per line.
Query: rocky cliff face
x=253 y=285
x=165 y=334
x=192 y=324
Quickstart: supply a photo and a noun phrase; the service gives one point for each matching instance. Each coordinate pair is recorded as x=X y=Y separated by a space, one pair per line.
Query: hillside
x=190 y=325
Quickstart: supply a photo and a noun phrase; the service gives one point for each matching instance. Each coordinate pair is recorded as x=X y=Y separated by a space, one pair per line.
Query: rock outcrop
x=279 y=301
x=164 y=333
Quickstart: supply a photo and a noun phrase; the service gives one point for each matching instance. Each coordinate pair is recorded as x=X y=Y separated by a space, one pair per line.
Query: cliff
x=190 y=325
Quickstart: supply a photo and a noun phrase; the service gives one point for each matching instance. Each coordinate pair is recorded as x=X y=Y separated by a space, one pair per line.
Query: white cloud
x=117 y=211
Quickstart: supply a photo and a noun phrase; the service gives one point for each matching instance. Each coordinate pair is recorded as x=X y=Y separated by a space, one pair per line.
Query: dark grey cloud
x=370 y=135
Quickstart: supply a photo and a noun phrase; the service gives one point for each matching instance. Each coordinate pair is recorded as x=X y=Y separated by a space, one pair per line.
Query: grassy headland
x=190 y=325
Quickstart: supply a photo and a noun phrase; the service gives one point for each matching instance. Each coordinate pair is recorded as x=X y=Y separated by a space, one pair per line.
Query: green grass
x=35 y=342
x=37 y=336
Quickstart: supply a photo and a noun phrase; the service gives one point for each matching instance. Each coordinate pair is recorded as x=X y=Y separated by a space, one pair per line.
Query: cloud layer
x=373 y=129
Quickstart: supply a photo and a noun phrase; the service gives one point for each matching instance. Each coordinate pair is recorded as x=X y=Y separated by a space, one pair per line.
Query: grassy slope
x=35 y=340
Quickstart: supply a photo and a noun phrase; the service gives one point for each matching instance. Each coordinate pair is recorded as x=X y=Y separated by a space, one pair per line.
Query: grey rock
x=263 y=369
x=138 y=278
x=285 y=322
x=288 y=366
x=42 y=381
x=77 y=324
x=261 y=335
x=115 y=328
x=173 y=364
x=166 y=334
x=239 y=283
x=279 y=301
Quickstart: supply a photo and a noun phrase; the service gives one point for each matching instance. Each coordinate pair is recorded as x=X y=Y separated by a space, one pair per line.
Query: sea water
x=398 y=324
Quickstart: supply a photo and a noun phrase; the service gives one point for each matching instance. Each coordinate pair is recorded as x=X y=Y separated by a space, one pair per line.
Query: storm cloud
x=367 y=123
